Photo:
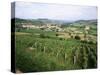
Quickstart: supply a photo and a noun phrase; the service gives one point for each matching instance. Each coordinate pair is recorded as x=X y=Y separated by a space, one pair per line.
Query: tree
x=42 y=35
x=77 y=37
x=57 y=34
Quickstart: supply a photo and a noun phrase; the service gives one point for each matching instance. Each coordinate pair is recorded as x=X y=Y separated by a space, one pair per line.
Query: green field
x=38 y=50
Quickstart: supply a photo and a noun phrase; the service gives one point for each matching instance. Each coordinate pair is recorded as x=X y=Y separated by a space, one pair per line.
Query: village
x=66 y=33
x=46 y=27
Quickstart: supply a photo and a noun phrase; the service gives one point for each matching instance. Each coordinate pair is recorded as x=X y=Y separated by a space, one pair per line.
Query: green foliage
x=77 y=37
x=42 y=36
x=57 y=34
x=39 y=54
x=61 y=38
x=45 y=51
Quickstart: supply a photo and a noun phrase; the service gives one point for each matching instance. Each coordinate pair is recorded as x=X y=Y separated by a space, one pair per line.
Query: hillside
x=49 y=21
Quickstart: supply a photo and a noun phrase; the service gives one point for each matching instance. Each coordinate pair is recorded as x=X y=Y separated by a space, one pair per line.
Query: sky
x=30 y=10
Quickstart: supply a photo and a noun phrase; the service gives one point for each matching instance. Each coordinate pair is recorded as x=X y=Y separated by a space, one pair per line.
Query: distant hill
x=87 y=22
x=39 y=21
x=50 y=21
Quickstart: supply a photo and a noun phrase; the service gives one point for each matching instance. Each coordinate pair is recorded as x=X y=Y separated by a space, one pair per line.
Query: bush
x=57 y=34
x=90 y=42
x=71 y=36
x=77 y=37
x=42 y=36
x=84 y=41
x=61 y=38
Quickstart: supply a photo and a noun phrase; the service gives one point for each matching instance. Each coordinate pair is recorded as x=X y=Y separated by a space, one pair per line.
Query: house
x=30 y=26
x=87 y=27
x=47 y=27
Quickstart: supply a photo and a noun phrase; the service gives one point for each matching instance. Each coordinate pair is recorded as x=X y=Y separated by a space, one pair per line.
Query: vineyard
x=53 y=37
x=38 y=50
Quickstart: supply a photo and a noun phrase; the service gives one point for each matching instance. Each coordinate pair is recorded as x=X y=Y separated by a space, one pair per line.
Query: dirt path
x=21 y=33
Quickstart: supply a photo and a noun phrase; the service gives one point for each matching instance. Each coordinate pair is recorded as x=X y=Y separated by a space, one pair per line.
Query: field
x=53 y=37
x=43 y=50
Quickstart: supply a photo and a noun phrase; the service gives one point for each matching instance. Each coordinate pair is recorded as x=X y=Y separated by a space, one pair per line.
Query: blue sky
x=28 y=10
